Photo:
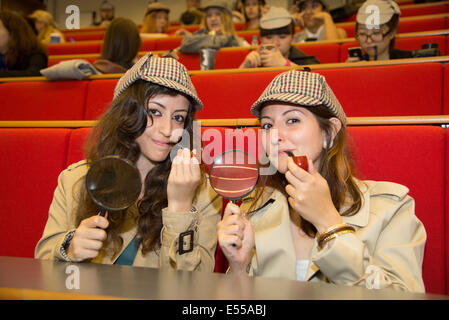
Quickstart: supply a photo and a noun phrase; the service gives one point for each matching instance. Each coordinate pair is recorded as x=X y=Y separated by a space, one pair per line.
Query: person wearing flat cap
x=173 y=224
x=316 y=22
x=316 y=221
x=376 y=34
x=277 y=29
x=155 y=22
x=216 y=30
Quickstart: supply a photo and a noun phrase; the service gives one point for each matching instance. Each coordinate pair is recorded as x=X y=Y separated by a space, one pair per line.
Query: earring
x=325 y=144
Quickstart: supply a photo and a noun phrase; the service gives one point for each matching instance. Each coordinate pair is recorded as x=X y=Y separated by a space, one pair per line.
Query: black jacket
x=30 y=66
x=300 y=58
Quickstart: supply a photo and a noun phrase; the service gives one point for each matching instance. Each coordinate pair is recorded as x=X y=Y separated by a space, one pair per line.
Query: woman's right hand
x=236 y=238
x=88 y=239
x=252 y=60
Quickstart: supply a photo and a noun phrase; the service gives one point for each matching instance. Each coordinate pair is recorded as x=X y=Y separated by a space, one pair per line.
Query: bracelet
x=65 y=245
x=333 y=229
x=333 y=236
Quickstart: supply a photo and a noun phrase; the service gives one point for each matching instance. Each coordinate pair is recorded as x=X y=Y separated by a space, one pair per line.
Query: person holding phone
x=321 y=224
x=173 y=224
x=277 y=29
x=377 y=38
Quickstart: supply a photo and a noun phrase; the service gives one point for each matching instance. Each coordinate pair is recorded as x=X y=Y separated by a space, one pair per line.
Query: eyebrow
x=163 y=107
x=283 y=114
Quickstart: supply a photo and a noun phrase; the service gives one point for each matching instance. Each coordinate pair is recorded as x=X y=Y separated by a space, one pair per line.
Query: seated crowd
x=23 y=40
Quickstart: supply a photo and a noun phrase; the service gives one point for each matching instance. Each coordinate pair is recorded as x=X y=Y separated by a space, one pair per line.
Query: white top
x=301 y=269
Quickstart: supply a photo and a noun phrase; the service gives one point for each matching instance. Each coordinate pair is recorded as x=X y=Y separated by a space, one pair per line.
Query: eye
x=292 y=121
x=178 y=118
x=154 y=112
x=266 y=126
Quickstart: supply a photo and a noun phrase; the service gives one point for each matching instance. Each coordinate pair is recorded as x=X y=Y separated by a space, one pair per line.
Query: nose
x=165 y=126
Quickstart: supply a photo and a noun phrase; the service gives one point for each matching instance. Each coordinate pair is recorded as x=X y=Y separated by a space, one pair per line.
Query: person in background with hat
x=173 y=224
x=107 y=13
x=156 y=21
x=45 y=27
x=316 y=22
x=277 y=29
x=377 y=38
x=192 y=14
x=321 y=223
x=216 y=30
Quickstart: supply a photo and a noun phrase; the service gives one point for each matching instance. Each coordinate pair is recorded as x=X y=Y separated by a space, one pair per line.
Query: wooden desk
x=24 y=278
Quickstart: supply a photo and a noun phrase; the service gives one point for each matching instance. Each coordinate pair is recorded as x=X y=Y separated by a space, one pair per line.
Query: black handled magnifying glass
x=113 y=183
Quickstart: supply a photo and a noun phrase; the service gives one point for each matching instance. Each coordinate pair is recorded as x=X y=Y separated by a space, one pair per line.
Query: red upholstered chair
x=447 y=211
x=168 y=43
x=52 y=61
x=75 y=149
x=30 y=162
x=98 y=98
x=230 y=57
x=325 y=53
x=230 y=95
x=75 y=48
x=446 y=89
x=148 y=45
x=85 y=36
x=375 y=91
x=43 y=100
x=412 y=156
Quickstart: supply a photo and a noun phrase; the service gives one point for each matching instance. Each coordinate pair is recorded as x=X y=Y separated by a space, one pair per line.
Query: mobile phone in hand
x=355 y=52
x=269 y=47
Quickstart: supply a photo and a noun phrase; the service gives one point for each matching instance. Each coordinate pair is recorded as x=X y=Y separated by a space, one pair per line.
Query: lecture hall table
x=26 y=278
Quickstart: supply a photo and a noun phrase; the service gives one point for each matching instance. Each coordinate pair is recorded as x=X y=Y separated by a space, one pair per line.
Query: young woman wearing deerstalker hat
x=321 y=224
x=154 y=102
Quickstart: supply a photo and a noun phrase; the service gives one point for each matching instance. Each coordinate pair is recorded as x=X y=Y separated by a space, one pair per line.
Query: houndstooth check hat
x=302 y=88
x=167 y=72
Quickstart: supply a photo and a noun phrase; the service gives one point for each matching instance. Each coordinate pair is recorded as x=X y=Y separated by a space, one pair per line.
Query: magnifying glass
x=234 y=174
x=113 y=183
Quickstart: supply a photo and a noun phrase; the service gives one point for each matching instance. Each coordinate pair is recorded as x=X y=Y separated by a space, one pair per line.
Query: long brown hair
x=22 y=39
x=115 y=134
x=121 y=42
x=149 y=23
x=227 y=26
x=336 y=167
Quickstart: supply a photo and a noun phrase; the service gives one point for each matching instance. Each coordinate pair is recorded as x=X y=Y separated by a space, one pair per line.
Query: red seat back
x=75 y=48
x=30 y=162
x=99 y=97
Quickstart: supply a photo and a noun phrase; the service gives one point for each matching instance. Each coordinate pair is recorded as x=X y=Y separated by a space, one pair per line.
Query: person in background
x=193 y=13
x=107 y=13
x=277 y=29
x=45 y=27
x=21 y=54
x=173 y=223
x=377 y=40
x=252 y=11
x=216 y=30
x=156 y=21
x=320 y=223
x=120 y=47
x=316 y=22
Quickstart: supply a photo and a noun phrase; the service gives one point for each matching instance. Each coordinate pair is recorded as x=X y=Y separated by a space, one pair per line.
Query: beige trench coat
x=385 y=251
x=203 y=223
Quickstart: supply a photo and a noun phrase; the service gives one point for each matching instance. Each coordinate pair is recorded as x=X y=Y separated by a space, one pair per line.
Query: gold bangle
x=333 y=229
x=333 y=236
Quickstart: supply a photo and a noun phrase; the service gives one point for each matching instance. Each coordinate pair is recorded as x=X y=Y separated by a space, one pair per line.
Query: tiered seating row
x=228 y=58
x=32 y=158
x=375 y=90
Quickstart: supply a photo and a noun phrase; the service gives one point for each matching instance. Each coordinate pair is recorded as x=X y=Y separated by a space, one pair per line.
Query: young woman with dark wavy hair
x=320 y=223
x=154 y=102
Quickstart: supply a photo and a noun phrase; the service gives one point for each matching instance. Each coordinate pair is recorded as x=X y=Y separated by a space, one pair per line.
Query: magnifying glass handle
x=102 y=212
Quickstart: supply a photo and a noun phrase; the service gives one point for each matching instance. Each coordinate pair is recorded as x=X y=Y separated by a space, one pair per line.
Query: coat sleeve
x=395 y=262
x=203 y=222
x=58 y=224
x=193 y=43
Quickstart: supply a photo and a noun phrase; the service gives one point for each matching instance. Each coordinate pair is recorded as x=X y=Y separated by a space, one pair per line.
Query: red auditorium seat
x=446 y=89
x=77 y=140
x=167 y=43
x=148 y=45
x=52 y=61
x=98 y=98
x=75 y=48
x=43 y=100
x=396 y=90
x=412 y=156
x=230 y=95
x=325 y=53
x=30 y=162
x=447 y=211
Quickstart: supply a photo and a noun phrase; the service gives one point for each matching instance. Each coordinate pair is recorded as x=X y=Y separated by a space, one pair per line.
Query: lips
x=161 y=143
